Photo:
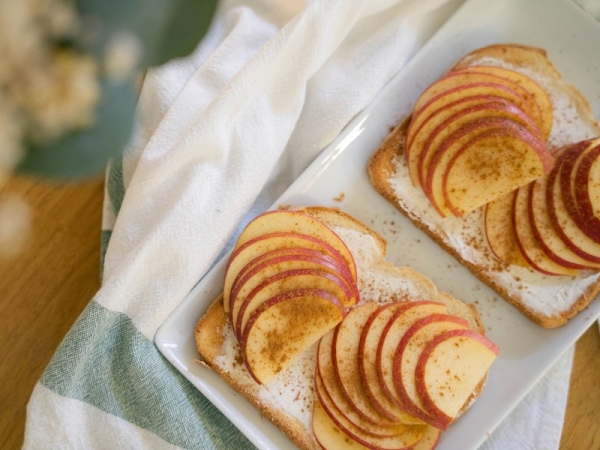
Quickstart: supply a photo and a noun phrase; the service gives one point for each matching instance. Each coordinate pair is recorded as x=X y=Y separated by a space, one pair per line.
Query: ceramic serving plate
x=338 y=178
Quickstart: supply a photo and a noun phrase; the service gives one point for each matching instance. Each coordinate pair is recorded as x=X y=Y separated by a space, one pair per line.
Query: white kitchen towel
x=219 y=136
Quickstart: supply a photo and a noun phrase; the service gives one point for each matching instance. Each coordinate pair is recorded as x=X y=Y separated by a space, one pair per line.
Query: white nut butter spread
x=545 y=295
x=292 y=390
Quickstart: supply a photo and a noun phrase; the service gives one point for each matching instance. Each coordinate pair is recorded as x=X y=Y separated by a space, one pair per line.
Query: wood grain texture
x=582 y=419
x=45 y=287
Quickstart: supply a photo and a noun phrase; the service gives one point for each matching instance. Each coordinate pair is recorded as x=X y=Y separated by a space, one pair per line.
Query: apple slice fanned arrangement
x=288 y=281
x=487 y=127
x=498 y=164
x=394 y=376
x=553 y=223
x=478 y=126
x=387 y=376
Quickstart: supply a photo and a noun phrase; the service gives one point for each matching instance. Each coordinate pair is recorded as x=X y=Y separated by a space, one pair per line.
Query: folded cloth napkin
x=219 y=136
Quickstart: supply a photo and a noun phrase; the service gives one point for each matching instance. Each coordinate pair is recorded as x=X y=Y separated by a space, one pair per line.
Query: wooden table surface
x=46 y=286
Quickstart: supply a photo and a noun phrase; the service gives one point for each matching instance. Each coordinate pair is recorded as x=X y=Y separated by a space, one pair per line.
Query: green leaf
x=184 y=28
x=167 y=29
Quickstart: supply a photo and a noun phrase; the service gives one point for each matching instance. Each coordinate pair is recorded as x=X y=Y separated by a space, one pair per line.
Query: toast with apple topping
x=308 y=368
x=478 y=167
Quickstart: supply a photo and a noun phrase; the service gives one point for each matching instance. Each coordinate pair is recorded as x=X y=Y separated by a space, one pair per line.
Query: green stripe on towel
x=106 y=362
x=115 y=184
x=104 y=239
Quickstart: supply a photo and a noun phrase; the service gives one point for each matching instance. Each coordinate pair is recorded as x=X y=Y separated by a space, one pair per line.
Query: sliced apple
x=499 y=230
x=294 y=222
x=390 y=338
x=328 y=434
x=284 y=254
x=568 y=230
x=336 y=402
x=442 y=157
x=455 y=79
x=284 y=326
x=430 y=439
x=488 y=89
x=569 y=159
x=492 y=165
x=407 y=435
x=263 y=244
x=367 y=359
x=248 y=280
x=545 y=233
x=526 y=240
x=535 y=93
x=428 y=118
x=453 y=123
x=447 y=120
x=584 y=190
x=456 y=101
x=479 y=91
x=450 y=368
x=408 y=352
x=345 y=345
x=282 y=282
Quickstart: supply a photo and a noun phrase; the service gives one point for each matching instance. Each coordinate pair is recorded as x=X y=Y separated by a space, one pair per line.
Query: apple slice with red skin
x=461 y=78
x=569 y=160
x=444 y=154
x=441 y=101
x=248 y=280
x=390 y=338
x=568 y=230
x=545 y=233
x=330 y=437
x=424 y=121
x=584 y=190
x=328 y=434
x=450 y=368
x=345 y=347
x=294 y=222
x=416 y=144
x=325 y=373
x=282 y=282
x=456 y=102
x=492 y=165
x=367 y=359
x=526 y=240
x=455 y=121
x=283 y=254
x=430 y=439
x=409 y=350
x=263 y=244
x=589 y=174
x=535 y=93
x=405 y=438
x=499 y=230
x=284 y=326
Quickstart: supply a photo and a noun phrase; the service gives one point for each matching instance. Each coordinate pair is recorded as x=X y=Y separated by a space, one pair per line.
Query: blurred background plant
x=68 y=83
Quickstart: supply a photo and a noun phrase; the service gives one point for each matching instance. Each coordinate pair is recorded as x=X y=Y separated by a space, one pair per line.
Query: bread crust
x=210 y=341
x=383 y=165
x=213 y=326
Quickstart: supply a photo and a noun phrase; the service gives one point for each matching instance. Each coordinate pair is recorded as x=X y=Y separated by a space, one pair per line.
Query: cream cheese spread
x=291 y=390
x=542 y=294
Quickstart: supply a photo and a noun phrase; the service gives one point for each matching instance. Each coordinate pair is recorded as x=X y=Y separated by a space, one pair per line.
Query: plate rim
x=323 y=161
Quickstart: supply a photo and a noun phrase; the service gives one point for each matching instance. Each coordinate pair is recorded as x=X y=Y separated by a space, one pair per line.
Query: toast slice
x=287 y=400
x=549 y=301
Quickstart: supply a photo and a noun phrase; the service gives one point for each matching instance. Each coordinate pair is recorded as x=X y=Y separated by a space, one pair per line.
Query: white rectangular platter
x=338 y=178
